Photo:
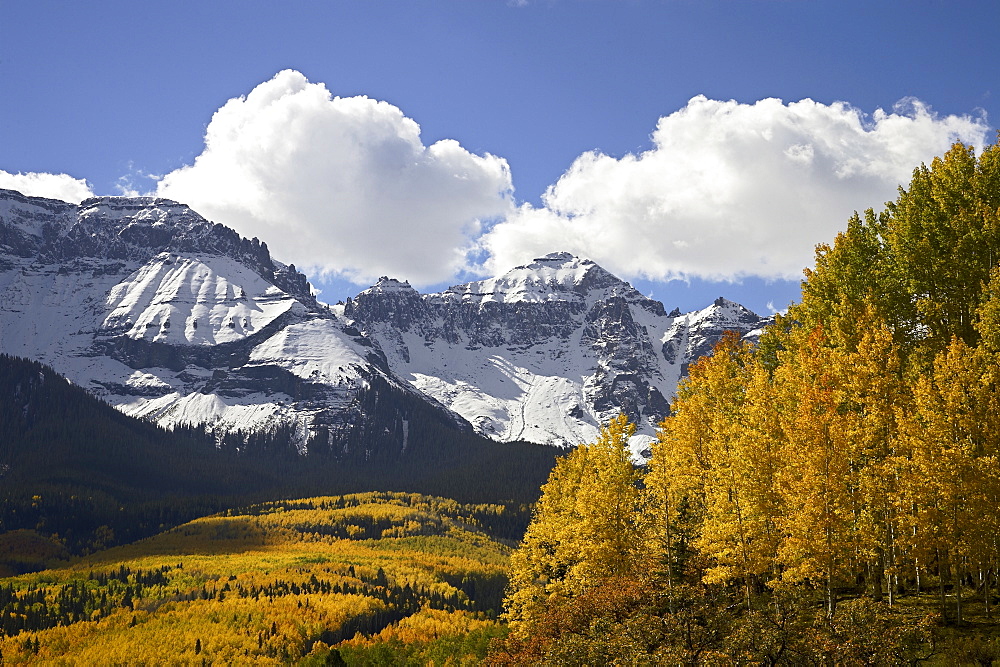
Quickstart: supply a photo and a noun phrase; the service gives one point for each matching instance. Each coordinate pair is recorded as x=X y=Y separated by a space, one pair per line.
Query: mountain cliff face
x=168 y=316
x=545 y=352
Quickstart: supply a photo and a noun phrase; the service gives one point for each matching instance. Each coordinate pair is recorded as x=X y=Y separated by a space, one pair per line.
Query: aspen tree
x=675 y=484
x=952 y=479
x=586 y=528
x=875 y=393
x=608 y=506
x=716 y=458
x=814 y=482
x=945 y=236
x=856 y=280
x=682 y=477
x=762 y=445
x=725 y=528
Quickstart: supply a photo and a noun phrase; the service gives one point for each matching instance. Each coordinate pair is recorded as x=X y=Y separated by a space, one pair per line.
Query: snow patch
x=194 y=301
x=316 y=350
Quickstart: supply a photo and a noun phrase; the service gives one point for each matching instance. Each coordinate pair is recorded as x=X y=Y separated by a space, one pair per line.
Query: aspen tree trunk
x=942 y=565
x=831 y=603
x=829 y=595
x=986 y=593
x=959 y=571
x=670 y=553
x=734 y=494
x=877 y=572
x=989 y=573
x=893 y=579
x=955 y=573
x=827 y=514
x=743 y=544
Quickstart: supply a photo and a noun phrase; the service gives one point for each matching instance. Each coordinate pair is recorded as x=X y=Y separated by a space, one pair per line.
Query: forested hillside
x=76 y=475
x=387 y=578
x=827 y=497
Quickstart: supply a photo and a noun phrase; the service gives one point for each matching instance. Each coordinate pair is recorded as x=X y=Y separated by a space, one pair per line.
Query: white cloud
x=729 y=189
x=53 y=186
x=341 y=185
x=128 y=185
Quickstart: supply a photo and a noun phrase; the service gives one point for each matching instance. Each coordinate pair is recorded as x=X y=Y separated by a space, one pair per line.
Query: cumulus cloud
x=53 y=186
x=341 y=185
x=730 y=190
x=129 y=184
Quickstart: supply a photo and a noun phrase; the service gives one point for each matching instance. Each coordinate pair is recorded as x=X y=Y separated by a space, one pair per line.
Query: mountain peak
x=557 y=276
x=387 y=285
x=155 y=211
x=728 y=304
x=560 y=258
x=14 y=196
x=129 y=203
x=725 y=313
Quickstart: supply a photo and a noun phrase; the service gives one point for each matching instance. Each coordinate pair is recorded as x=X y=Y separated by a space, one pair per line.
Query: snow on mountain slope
x=314 y=350
x=194 y=301
x=556 y=277
x=24 y=223
x=171 y=317
x=545 y=352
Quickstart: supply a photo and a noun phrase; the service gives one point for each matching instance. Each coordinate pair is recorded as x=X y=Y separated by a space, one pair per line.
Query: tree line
x=84 y=476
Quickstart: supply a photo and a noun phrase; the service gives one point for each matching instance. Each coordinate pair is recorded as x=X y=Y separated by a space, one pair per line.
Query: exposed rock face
x=545 y=352
x=169 y=316
x=694 y=335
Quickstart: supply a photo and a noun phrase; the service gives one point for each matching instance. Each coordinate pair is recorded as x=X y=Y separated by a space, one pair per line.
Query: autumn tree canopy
x=806 y=482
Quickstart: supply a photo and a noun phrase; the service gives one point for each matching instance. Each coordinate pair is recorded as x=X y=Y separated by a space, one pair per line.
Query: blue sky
x=535 y=93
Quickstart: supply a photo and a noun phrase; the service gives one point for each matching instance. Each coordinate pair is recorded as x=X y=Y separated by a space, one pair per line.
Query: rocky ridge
x=170 y=317
x=545 y=352
x=174 y=318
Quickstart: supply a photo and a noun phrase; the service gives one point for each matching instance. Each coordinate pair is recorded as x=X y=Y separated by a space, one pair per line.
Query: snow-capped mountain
x=171 y=317
x=545 y=352
x=168 y=316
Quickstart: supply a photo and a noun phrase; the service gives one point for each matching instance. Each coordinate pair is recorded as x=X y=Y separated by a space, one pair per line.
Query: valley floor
x=275 y=583
x=362 y=579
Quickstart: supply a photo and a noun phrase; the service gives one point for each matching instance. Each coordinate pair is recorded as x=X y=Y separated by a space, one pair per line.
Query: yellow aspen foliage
x=425 y=625
x=716 y=456
x=608 y=504
x=757 y=460
x=988 y=314
x=586 y=527
x=854 y=282
x=265 y=584
x=815 y=482
x=951 y=482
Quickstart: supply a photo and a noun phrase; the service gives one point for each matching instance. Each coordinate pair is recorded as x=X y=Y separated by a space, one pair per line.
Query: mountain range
x=170 y=317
